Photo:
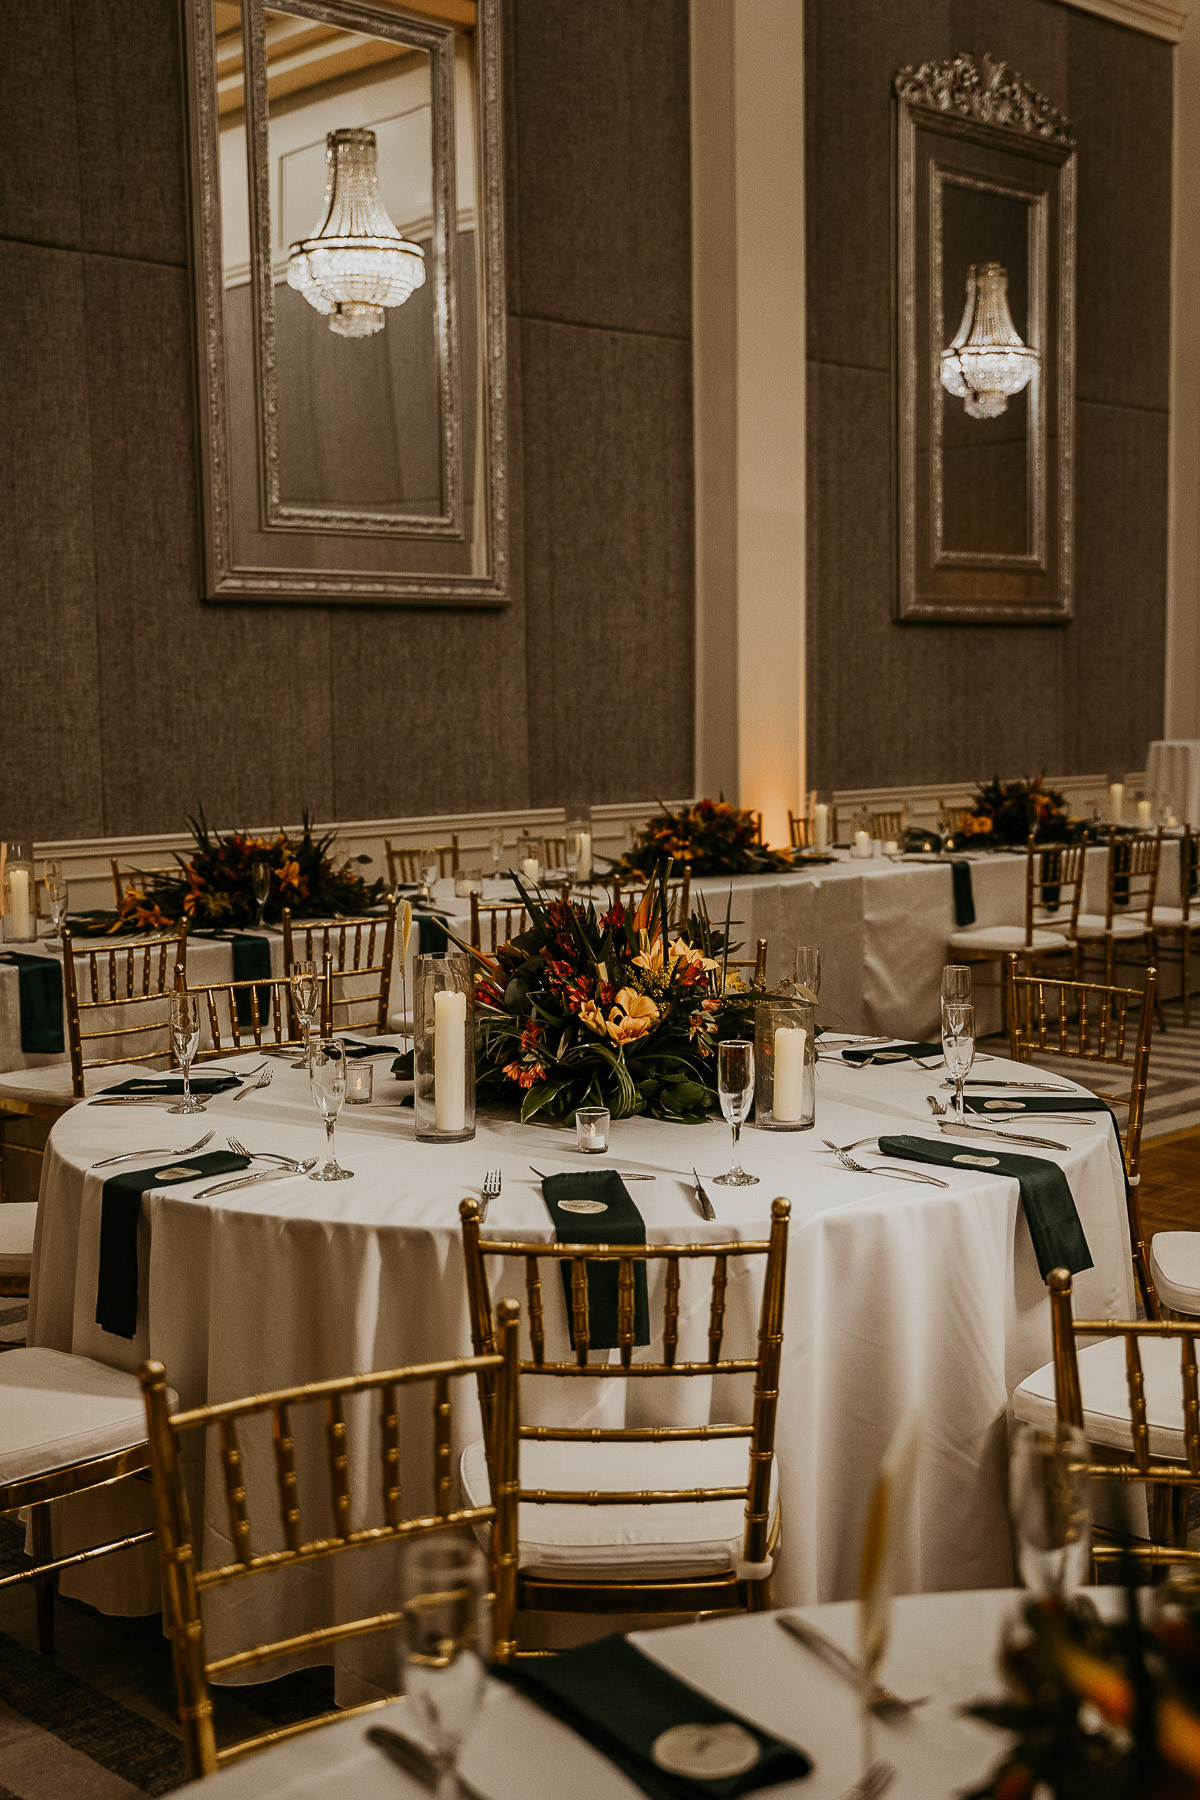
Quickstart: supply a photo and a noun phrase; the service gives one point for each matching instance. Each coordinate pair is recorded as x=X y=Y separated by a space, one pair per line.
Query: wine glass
x=185 y=1041
x=261 y=874
x=327 y=1083
x=445 y=1644
x=808 y=970
x=958 y=1046
x=496 y=846
x=56 y=894
x=735 y=1086
x=431 y=869
x=956 y=985
x=306 y=992
x=572 y=851
x=1048 y=1499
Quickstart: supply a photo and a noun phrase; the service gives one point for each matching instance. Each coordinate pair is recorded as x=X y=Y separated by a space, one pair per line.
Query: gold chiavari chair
x=1134 y=1394
x=124 y=879
x=1173 y=926
x=798 y=834
x=592 y=1539
x=266 y=1020
x=757 y=963
x=889 y=825
x=503 y=919
x=1053 y=890
x=554 y=853
x=631 y=896
x=1130 y=888
x=70 y=1425
x=404 y=865
x=1103 y=1026
x=185 y=1580
x=363 y=953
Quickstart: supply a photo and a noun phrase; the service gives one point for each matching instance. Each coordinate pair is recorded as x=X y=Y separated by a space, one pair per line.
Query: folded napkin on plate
x=623 y=1703
x=888 y=1053
x=173 y=1084
x=1050 y=1210
x=964 y=897
x=40 y=995
x=1032 y=1103
x=120 y=1209
x=617 y=1221
x=251 y=962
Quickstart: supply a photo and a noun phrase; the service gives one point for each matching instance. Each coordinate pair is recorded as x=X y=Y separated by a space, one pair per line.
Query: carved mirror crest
x=985 y=290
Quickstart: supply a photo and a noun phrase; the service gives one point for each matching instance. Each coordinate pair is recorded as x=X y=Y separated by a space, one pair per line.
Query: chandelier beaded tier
x=987 y=361
x=356 y=263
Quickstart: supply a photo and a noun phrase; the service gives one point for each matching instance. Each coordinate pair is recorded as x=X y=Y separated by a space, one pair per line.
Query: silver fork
x=873 y=1784
x=239 y=1149
x=857 y=1168
x=106 y=1162
x=264 y=1080
x=947 y=1123
x=491 y=1189
x=881 y=1699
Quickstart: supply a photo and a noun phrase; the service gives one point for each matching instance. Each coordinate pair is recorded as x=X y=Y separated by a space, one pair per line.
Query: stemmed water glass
x=306 y=992
x=185 y=1041
x=1049 y=1503
x=56 y=894
x=327 y=1082
x=808 y=970
x=572 y=851
x=261 y=874
x=445 y=1644
x=958 y=1046
x=431 y=868
x=735 y=1087
x=496 y=846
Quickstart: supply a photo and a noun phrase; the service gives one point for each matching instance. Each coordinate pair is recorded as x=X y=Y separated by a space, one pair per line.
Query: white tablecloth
x=1173 y=777
x=896 y=1293
x=941 y=1644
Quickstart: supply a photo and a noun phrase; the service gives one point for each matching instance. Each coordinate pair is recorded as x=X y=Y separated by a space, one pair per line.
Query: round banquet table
x=896 y=1293
x=943 y=1645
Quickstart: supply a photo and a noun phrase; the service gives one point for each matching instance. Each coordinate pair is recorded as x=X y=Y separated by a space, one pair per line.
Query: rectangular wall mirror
x=985 y=359
x=346 y=166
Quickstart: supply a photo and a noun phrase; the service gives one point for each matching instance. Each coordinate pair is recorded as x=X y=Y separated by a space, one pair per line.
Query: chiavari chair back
x=496 y=922
x=125 y=879
x=622 y=1473
x=258 y=1014
x=1133 y=1390
x=1101 y=1025
x=890 y=825
x=953 y=818
x=1173 y=926
x=554 y=852
x=363 y=953
x=404 y=865
x=118 y=996
x=639 y=895
x=1053 y=887
x=383 y=1519
x=1130 y=889
x=757 y=963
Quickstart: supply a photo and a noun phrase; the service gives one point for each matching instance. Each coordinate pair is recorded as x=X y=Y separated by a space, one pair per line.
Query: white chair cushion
x=605 y=1543
x=17 y=1221
x=1168 y=918
x=1175 y=1269
x=1091 y=925
x=48 y=1085
x=1106 y=1397
x=1004 y=938
x=57 y=1409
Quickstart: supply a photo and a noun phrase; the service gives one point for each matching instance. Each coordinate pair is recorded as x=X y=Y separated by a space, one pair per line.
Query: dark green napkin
x=964 y=895
x=120 y=1209
x=40 y=994
x=173 y=1084
x=891 y=1053
x=373 y=1047
x=1050 y=1211
x=251 y=962
x=619 y=1223
x=431 y=934
x=1033 y=1103
x=621 y=1701
x=402 y=1068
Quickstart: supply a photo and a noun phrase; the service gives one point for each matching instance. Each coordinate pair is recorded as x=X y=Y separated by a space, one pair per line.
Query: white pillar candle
x=862 y=843
x=1116 y=802
x=449 y=1061
x=820 y=830
x=530 y=869
x=891 y=847
x=584 y=871
x=788 y=1101
x=1145 y=815
x=18 y=903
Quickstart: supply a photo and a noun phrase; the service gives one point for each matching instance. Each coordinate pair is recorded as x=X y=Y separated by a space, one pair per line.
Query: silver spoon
x=106 y=1162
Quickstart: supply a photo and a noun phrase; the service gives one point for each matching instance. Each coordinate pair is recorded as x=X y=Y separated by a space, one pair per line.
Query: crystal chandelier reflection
x=987 y=360
x=356 y=263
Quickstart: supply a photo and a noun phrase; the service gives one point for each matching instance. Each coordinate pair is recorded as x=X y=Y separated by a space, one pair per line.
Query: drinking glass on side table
x=735 y=1087
x=306 y=993
x=958 y=1047
x=185 y=1041
x=327 y=1083
x=445 y=1642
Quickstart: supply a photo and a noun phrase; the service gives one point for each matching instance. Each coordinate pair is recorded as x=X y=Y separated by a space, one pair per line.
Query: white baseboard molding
x=87 y=860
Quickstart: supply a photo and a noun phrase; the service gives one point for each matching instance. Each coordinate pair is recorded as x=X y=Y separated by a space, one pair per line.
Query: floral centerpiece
x=1005 y=812
x=214 y=886
x=1100 y=1710
x=711 y=837
x=606 y=1007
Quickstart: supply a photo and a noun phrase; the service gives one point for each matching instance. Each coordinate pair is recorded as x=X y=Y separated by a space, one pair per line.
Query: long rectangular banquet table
x=895 y=1293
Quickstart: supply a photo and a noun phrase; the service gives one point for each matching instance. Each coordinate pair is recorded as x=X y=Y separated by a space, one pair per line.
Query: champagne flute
x=306 y=992
x=445 y=1642
x=956 y=985
x=1049 y=1503
x=431 y=868
x=262 y=888
x=327 y=1084
x=808 y=970
x=735 y=1087
x=185 y=1041
x=958 y=1046
x=496 y=846
x=572 y=851
x=56 y=894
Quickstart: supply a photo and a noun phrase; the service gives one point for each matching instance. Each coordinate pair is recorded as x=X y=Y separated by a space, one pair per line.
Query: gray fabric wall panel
x=39 y=132
x=608 y=544
x=1083 y=697
x=48 y=674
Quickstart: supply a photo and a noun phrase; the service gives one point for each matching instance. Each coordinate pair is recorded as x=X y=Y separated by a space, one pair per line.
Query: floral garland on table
x=1005 y=812
x=214 y=886
x=584 y=1009
x=711 y=837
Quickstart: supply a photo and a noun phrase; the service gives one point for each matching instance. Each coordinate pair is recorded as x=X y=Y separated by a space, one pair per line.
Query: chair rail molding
x=1157 y=18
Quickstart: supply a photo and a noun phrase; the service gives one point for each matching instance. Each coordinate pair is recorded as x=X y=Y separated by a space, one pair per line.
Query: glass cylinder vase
x=19 y=895
x=443 y=1048
x=785 y=1065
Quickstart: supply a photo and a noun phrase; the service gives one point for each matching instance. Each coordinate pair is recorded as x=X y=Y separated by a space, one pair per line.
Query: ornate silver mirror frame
x=453 y=553
x=974 y=133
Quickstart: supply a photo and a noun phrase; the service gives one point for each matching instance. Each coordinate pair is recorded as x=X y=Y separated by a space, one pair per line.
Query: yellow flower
x=593 y=1018
x=651 y=958
x=631 y=1016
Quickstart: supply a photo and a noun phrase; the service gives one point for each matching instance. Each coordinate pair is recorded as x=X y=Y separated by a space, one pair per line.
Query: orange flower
x=593 y=1018
x=631 y=1016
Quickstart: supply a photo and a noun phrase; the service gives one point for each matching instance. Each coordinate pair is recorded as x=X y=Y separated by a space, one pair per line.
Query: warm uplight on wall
x=987 y=360
x=356 y=263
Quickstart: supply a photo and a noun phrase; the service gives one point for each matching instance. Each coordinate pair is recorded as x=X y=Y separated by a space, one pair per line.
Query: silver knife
x=1045 y=1087
x=1010 y=1137
x=132 y=1099
x=244 y=1181
x=702 y=1199
x=414 y=1759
